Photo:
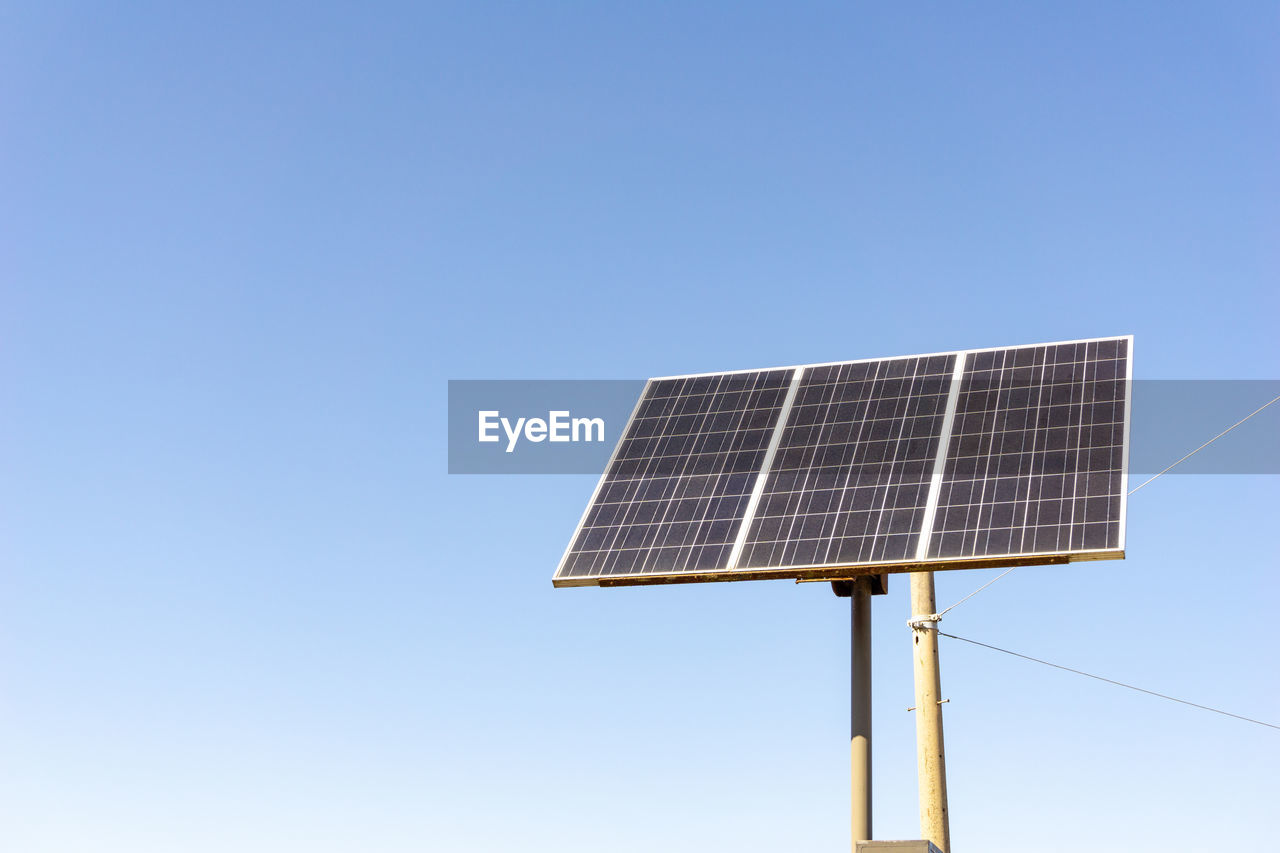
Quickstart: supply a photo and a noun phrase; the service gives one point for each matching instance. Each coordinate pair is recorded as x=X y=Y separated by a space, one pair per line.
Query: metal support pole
x=931 y=766
x=860 y=709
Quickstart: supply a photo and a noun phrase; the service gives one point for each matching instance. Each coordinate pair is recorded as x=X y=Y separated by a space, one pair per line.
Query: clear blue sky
x=243 y=247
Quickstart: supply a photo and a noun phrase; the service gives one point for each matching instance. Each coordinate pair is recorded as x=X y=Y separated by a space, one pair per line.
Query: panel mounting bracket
x=844 y=588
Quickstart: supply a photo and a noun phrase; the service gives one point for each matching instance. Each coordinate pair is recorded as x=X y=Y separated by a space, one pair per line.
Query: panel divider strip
x=940 y=461
x=766 y=465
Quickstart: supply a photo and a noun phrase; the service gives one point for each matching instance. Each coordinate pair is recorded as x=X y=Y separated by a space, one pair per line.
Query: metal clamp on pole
x=924 y=623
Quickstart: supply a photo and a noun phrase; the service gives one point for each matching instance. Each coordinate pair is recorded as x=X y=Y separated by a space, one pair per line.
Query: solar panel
x=1037 y=453
x=851 y=476
x=676 y=490
x=976 y=458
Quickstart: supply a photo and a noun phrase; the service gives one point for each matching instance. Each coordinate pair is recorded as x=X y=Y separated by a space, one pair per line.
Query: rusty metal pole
x=931 y=762
x=860 y=710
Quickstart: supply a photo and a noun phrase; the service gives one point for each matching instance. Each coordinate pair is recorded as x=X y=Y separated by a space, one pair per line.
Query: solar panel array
x=980 y=457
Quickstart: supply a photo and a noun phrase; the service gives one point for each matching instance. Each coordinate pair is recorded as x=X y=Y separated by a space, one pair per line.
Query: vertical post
x=860 y=710
x=931 y=766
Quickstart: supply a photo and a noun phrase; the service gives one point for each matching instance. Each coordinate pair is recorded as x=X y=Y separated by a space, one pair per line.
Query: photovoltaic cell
x=979 y=457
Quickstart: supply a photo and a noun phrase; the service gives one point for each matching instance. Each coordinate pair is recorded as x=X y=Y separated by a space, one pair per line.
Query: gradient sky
x=243 y=247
